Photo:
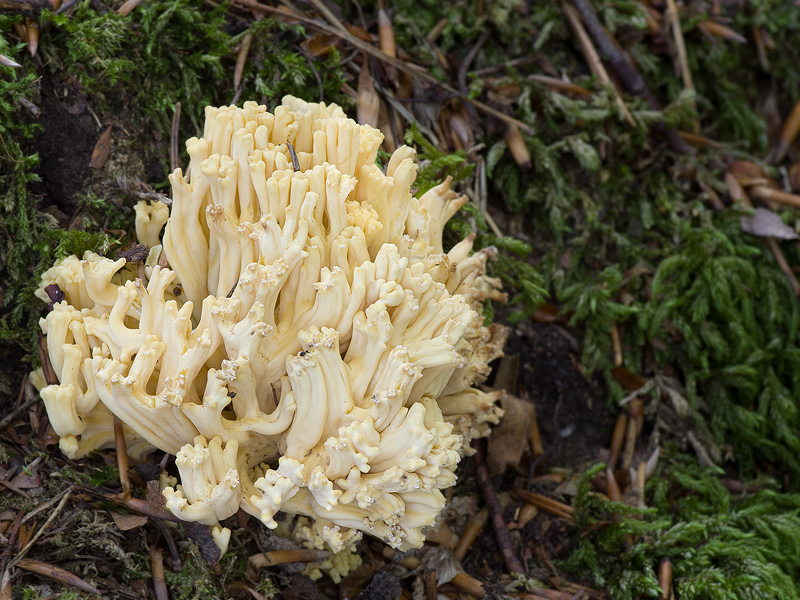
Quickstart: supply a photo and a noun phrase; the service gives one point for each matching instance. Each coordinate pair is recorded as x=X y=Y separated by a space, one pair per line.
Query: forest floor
x=635 y=163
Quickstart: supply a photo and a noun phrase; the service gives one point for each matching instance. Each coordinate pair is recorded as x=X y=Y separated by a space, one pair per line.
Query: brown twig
x=282 y=557
x=617 y=439
x=631 y=80
x=680 y=49
x=556 y=84
x=175 y=555
x=157 y=569
x=363 y=46
x=495 y=512
x=559 y=509
x=57 y=573
x=766 y=193
x=470 y=533
x=616 y=345
x=241 y=59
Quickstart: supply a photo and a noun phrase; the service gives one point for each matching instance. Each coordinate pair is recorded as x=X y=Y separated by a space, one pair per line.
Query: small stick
x=57 y=573
x=496 y=513
x=173 y=548
x=470 y=533
x=157 y=568
x=282 y=557
x=630 y=443
x=241 y=59
x=641 y=477
x=767 y=193
x=173 y=147
x=554 y=506
x=616 y=439
x=122 y=456
x=680 y=48
x=616 y=345
x=556 y=84
x=430 y=585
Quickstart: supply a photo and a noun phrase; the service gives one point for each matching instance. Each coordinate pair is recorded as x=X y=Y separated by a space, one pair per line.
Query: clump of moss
x=721 y=545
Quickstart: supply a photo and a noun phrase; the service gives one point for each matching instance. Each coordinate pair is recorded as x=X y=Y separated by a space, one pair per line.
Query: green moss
x=721 y=546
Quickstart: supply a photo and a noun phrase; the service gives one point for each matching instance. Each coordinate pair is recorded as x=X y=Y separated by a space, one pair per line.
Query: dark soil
x=571 y=410
x=66 y=148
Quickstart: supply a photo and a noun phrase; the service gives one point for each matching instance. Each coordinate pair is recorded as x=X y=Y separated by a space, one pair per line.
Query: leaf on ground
x=510 y=439
x=129 y=521
x=765 y=223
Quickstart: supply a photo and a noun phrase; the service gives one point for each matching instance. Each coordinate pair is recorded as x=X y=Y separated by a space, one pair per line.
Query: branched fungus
x=308 y=348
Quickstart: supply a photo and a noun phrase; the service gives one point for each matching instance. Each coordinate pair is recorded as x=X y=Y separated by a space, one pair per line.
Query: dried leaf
x=101 y=149
x=765 y=223
x=319 y=44
x=24 y=481
x=630 y=381
x=128 y=522
x=510 y=439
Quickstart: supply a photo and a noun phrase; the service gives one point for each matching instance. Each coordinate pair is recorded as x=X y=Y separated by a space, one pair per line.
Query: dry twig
x=496 y=513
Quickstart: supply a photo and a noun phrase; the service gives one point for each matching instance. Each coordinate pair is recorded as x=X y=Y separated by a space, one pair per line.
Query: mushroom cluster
x=297 y=337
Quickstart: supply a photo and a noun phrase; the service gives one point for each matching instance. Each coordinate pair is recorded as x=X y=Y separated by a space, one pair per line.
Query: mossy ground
x=607 y=232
